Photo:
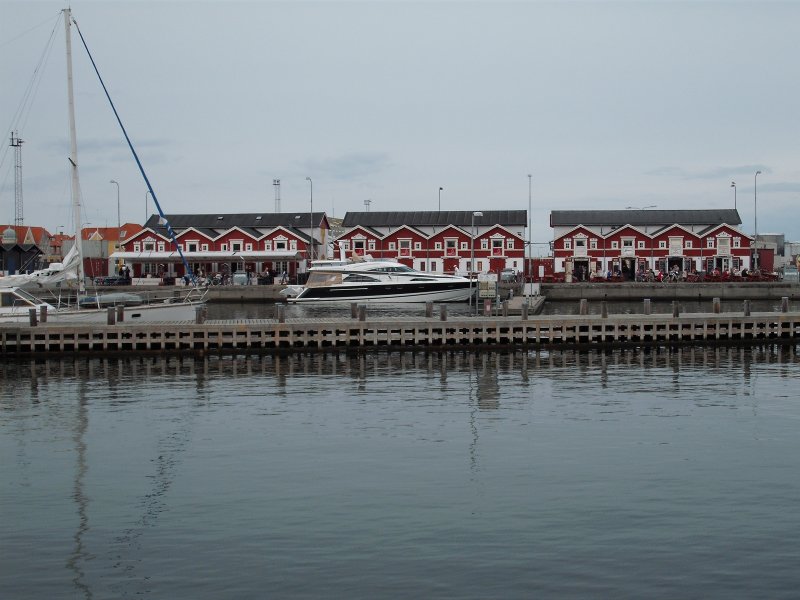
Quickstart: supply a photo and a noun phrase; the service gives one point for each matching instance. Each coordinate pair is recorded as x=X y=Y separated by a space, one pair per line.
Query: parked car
x=110 y=280
x=508 y=275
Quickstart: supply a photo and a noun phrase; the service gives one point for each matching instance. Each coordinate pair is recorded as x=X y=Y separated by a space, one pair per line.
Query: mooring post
x=110 y=313
x=43 y=314
x=281 y=313
x=785 y=304
x=362 y=312
x=120 y=313
x=443 y=312
x=676 y=311
x=746 y=309
x=505 y=308
x=199 y=316
x=525 y=311
x=716 y=306
x=353 y=310
x=648 y=310
x=428 y=310
x=32 y=315
x=584 y=307
x=604 y=309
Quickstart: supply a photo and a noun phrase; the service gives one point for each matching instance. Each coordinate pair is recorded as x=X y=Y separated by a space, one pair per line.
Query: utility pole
x=276 y=183
x=16 y=143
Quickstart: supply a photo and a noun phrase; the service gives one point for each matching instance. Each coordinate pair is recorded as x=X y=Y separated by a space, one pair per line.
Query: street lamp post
x=476 y=213
x=145 y=205
x=755 y=218
x=526 y=257
x=733 y=185
x=119 y=220
x=440 y=199
x=311 y=217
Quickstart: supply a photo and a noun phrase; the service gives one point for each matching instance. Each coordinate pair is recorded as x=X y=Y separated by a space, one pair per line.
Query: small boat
x=385 y=281
x=16 y=304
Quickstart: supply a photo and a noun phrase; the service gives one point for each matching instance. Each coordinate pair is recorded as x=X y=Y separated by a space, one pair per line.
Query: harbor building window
x=345 y=245
x=204 y=247
x=497 y=247
x=640 y=245
x=438 y=245
x=737 y=242
x=358 y=246
x=248 y=247
x=268 y=245
x=615 y=245
x=161 y=246
x=593 y=244
x=709 y=242
x=137 y=247
x=567 y=244
x=392 y=246
x=662 y=244
x=417 y=245
x=464 y=245
x=236 y=246
x=371 y=244
x=688 y=244
x=484 y=244
x=149 y=246
x=192 y=246
x=510 y=243
x=293 y=245
x=280 y=244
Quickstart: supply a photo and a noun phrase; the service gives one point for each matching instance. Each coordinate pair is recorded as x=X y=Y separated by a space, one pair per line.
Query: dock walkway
x=409 y=332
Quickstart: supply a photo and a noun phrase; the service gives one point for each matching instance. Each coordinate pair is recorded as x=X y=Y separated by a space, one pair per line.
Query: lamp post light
x=311 y=217
x=476 y=213
x=526 y=257
x=755 y=218
x=440 y=199
x=733 y=185
x=145 y=206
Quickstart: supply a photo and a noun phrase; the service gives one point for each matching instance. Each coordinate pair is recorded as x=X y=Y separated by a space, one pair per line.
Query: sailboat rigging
x=15 y=303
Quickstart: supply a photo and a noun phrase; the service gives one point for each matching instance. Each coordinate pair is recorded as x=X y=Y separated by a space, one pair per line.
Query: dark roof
x=561 y=218
x=242 y=220
x=461 y=218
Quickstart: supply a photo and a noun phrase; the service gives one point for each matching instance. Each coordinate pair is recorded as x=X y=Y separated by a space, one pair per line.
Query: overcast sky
x=606 y=104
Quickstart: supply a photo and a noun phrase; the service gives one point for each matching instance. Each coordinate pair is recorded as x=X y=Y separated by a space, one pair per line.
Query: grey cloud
x=710 y=173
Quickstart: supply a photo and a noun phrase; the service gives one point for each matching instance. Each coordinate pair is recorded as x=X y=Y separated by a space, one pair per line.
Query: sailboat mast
x=73 y=151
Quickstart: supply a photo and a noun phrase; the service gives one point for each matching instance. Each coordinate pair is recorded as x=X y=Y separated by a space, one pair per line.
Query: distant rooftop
x=460 y=218
x=562 y=218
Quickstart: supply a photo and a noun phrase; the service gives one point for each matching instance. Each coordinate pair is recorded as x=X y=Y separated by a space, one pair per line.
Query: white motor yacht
x=366 y=280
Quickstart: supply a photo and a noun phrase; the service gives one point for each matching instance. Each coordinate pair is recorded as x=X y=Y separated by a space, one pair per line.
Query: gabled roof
x=461 y=218
x=364 y=228
x=561 y=218
x=711 y=228
x=227 y=220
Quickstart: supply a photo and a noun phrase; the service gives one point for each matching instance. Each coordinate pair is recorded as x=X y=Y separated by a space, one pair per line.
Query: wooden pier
x=411 y=332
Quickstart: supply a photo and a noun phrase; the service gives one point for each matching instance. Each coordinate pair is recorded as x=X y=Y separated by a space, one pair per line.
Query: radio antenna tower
x=276 y=183
x=16 y=143
x=367 y=202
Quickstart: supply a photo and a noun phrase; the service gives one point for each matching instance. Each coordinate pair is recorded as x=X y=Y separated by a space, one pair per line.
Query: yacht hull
x=391 y=292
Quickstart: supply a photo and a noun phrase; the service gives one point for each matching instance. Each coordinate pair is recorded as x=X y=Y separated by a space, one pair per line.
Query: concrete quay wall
x=622 y=292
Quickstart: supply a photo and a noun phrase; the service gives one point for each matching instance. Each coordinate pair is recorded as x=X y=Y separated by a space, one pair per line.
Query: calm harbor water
x=629 y=473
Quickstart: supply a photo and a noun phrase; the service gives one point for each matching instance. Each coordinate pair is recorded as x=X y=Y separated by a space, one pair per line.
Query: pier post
x=280 y=310
x=487 y=307
x=716 y=306
x=505 y=308
x=199 y=316
x=110 y=313
x=443 y=312
x=746 y=308
x=32 y=316
x=785 y=304
x=428 y=310
x=120 y=314
x=362 y=312
x=604 y=309
x=584 y=307
x=353 y=310
x=676 y=311
x=525 y=311
x=648 y=310
x=43 y=314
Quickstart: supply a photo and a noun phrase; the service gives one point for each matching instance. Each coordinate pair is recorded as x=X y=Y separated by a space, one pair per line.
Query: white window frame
x=567 y=244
